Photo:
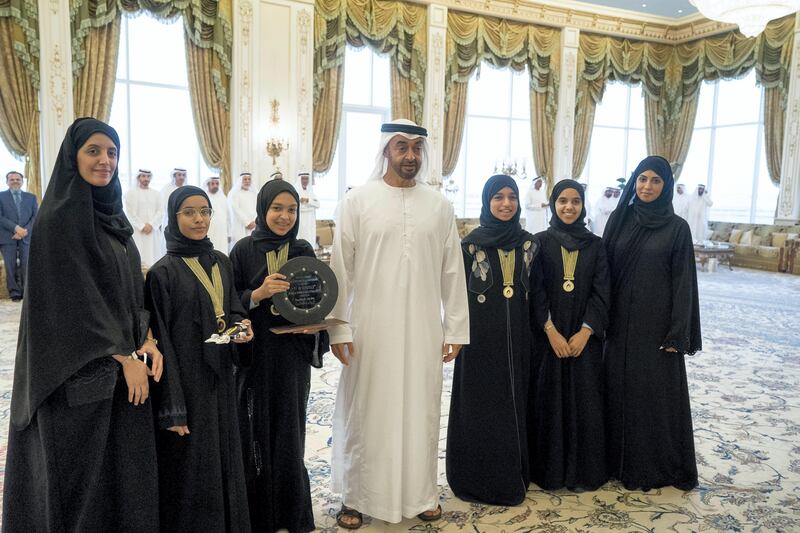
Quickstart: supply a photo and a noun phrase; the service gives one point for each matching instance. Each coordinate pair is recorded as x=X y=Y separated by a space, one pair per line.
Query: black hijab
x=265 y=239
x=645 y=217
x=493 y=232
x=177 y=243
x=83 y=293
x=575 y=236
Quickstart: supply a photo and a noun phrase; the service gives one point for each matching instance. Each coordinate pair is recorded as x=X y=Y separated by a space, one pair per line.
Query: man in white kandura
x=680 y=202
x=602 y=210
x=242 y=208
x=699 y=204
x=397 y=256
x=218 y=227
x=177 y=179
x=536 y=207
x=308 y=210
x=144 y=210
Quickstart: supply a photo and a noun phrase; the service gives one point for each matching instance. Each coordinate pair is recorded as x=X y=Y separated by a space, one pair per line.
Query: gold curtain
x=212 y=119
x=19 y=87
x=94 y=80
x=774 y=124
x=585 y=106
x=542 y=133
x=327 y=116
x=670 y=138
x=454 y=117
x=472 y=39
x=402 y=104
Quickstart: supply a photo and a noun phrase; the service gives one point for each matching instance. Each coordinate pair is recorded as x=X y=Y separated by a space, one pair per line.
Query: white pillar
x=789 y=199
x=433 y=111
x=563 y=140
x=55 y=73
x=283 y=41
x=243 y=147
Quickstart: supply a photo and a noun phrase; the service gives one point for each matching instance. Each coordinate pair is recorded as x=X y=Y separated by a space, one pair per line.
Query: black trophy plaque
x=312 y=291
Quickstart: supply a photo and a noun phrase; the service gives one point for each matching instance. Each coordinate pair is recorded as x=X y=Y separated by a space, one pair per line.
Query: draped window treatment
x=209 y=49
x=671 y=76
x=472 y=39
x=391 y=27
x=19 y=86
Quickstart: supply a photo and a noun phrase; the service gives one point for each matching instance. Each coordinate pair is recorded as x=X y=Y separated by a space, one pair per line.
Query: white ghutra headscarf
x=410 y=131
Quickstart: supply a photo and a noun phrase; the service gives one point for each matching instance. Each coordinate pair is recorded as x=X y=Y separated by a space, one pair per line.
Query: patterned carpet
x=745 y=389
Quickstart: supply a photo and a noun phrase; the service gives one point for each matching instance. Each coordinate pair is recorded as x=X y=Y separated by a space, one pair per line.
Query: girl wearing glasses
x=191 y=297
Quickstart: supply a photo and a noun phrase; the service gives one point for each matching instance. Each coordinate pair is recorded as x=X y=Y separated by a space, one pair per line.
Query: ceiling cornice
x=592 y=18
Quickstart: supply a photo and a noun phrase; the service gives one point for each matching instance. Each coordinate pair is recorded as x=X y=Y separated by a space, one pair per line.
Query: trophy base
x=310 y=328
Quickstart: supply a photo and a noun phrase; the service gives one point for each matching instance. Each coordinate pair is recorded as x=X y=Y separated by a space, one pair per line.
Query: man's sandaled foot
x=431 y=516
x=349 y=518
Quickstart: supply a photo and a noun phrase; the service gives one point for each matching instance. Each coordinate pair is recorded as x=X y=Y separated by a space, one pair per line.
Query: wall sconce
x=276 y=144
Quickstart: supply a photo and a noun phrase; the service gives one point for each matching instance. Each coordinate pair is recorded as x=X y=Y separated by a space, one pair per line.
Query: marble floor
x=745 y=388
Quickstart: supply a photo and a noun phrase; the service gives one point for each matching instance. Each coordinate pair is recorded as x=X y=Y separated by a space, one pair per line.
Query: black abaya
x=650 y=441
x=487 y=448
x=566 y=427
x=80 y=456
x=273 y=398
x=201 y=476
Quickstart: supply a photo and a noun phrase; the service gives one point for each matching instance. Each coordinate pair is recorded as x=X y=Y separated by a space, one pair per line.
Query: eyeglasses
x=191 y=212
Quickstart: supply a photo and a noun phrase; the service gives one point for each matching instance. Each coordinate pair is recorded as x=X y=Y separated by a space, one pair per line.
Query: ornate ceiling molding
x=592 y=19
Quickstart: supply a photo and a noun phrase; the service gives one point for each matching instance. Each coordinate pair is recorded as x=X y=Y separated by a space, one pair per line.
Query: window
x=152 y=109
x=366 y=105
x=497 y=132
x=618 y=138
x=727 y=152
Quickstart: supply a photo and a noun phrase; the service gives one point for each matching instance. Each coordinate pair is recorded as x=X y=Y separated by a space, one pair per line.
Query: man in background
x=17 y=213
x=242 y=208
x=536 y=207
x=218 y=228
x=308 y=210
x=144 y=210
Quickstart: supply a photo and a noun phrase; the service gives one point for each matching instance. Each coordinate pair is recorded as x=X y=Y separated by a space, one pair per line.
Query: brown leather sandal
x=437 y=514
x=352 y=513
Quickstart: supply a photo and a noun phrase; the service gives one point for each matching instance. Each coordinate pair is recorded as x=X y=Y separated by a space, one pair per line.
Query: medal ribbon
x=213 y=287
x=570 y=261
x=507 y=260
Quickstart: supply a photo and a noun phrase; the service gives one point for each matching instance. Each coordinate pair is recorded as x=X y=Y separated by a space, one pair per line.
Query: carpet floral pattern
x=745 y=389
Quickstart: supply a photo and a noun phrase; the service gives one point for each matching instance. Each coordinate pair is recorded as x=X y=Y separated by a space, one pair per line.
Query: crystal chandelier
x=752 y=16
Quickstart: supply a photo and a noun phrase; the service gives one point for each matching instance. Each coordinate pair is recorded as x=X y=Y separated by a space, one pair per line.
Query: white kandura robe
x=397 y=258
x=218 y=229
x=143 y=206
x=535 y=214
x=308 y=216
x=680 y=203
x=698 y=216
x=242 y=211
x=602 y=210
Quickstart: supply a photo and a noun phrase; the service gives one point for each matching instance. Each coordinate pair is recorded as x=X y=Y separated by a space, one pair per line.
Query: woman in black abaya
x=655 y=321
x=81 y=450
x=487 y=449
x=274 y=389
x=566 y=430
x=190 y=295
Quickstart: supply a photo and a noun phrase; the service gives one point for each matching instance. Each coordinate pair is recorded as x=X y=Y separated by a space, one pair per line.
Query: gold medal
x=274 y=310
x=568 y=286
x=508 y=292
x=220 y=325
x=481 y=298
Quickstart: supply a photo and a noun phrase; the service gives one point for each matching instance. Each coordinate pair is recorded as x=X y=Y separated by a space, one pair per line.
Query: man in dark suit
x=17 y=212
